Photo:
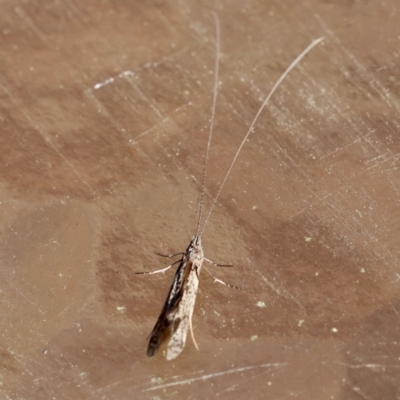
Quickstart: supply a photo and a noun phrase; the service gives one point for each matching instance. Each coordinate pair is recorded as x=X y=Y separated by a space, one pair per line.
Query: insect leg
x=159 y=270
x=218 y=265
x=222 y=282
x=169 y=255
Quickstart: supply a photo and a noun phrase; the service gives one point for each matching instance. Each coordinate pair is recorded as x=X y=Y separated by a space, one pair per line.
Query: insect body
x=176 y=315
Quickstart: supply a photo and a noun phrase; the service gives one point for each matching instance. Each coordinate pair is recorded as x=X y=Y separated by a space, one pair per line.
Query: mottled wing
x=182 y=314
x=164 y=325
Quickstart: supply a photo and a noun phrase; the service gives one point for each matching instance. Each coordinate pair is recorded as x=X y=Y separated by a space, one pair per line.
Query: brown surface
x=104 y=113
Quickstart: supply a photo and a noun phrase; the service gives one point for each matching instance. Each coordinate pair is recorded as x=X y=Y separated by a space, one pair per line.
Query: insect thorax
x=195 y=249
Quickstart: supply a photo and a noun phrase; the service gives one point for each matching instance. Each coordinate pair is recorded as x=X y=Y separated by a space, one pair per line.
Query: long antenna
x=215 y=93
x=279 y=81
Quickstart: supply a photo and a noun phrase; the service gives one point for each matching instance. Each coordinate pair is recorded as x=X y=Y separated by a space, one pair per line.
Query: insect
x=176 y=315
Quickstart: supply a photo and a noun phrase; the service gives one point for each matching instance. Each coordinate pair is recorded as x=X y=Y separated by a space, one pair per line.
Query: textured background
x=104 y=112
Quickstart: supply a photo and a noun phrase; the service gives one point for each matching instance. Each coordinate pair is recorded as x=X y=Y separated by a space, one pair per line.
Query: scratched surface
x=104 y=115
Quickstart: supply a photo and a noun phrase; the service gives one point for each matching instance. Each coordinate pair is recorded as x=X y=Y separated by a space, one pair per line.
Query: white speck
x=301 y=322
x=362 y=270
x=156 y=379
x=307 y=239
x=260 y=304
x=254 y=337
x=121 y=309
x=334 y=330
x=317 y=273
